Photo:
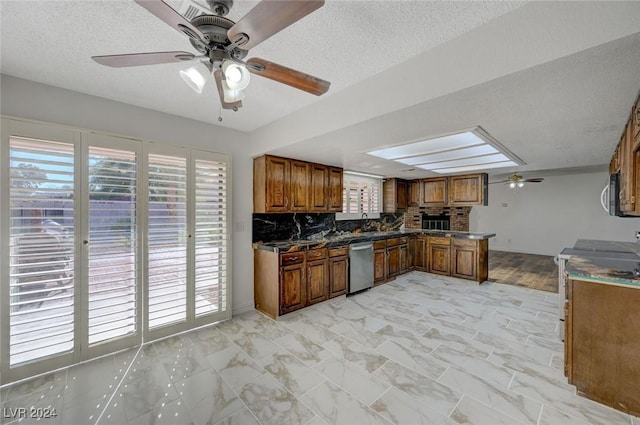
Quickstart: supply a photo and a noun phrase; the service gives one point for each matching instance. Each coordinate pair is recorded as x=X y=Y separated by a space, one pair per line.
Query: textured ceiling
x=551 y=81
x=343 y=42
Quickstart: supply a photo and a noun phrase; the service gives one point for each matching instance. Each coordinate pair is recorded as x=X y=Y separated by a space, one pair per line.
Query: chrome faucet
x=364 y=216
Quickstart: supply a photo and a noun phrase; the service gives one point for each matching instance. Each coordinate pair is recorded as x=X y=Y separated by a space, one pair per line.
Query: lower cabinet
x=439 y=255
x=317 y=281
x=420 y=256
x=379 y=262
x=293 y=288
x=464 y=259
x=404 y=255
x=393 y=257
x=338 y=271
x=601 y=343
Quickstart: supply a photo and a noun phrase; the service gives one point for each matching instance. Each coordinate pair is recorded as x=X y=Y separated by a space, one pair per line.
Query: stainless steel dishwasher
x=360 y=267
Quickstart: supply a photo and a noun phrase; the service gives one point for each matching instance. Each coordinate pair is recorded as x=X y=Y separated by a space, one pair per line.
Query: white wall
x=542 y=218
x=27 y=99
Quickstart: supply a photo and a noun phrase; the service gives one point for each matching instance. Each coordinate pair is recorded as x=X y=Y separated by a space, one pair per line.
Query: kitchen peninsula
x=602 y=312
x=293 y=274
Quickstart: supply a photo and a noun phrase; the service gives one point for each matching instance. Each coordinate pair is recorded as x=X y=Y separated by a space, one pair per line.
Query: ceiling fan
x=516 y=180
x=223 y=45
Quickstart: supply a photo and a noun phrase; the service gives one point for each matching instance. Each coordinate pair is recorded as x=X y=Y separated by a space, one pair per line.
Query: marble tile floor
x=422 y=349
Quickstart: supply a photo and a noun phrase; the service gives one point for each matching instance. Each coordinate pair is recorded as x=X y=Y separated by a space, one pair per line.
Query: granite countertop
x=608 y=262
x=350 y=238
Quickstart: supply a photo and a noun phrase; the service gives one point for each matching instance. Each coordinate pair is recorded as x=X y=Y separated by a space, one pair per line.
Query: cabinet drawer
x=380 y=244
x=316 y=254
x=404 y=241
x=338 y=252
x=434 y=240
x=291 y=258
x=465 y=242
x=393 y=242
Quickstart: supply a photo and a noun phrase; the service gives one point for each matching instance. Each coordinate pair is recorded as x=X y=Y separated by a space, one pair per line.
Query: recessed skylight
x=472 y=150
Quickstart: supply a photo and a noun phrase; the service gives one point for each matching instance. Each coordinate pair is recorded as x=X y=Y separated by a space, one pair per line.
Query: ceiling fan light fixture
x=520 y=184
x=236 y=76
x=512 y=185
x=196 y=77
x=231 y=96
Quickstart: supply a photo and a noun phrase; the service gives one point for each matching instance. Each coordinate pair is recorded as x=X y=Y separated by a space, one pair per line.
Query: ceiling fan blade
x=225 y=105
x=169 y=15
x=288 y=76
x=138 y=59
x=534 y=180
x=501 y=181
x=267 y=18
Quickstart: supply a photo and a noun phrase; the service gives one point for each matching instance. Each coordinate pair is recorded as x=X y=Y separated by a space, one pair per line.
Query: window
x=360 y=194
x=107 y=243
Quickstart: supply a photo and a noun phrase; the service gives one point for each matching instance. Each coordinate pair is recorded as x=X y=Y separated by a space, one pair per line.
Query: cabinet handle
x=638 y=114
x=286 y=201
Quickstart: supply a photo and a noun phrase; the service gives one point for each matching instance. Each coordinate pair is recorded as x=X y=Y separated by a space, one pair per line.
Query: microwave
x=610 y=197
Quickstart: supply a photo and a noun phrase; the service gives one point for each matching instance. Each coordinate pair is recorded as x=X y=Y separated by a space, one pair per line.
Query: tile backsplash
x=291 y=226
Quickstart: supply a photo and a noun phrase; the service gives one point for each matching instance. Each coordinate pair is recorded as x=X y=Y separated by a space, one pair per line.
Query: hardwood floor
x=528 y=270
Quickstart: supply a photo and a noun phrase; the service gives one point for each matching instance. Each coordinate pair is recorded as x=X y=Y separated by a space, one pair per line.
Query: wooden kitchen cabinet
x=635 y=120
x=433 y=192
x=394 y=195
x=468 y=259
x=293 y=287
x=404 y=255
x=421 y=257
x=289 y=185
x=414 y=193
x=338 y=271
x=439 y=255
x=317 y=276
x=393 y=257
x=271 y=177
x=299 y=185
x=319 y=183
x=601 y=343
x=470 y=189
x=379 y=262
x=411 y=252
x=335 y=189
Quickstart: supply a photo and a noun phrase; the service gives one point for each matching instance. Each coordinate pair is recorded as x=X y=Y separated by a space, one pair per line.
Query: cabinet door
x=467 y=189
x=414 y=193
x=402 y=197
x=420 y=260
x=335 y=189
x=319 y=181
x=379 y=265
x=317 y=281
x=464 y=263
x=338 y=276
x=411 y=252
x=299 y=186
x=439 y=259
x=293 y=288
x=277 y=183
x=627 y=183
x=393 y=260
x=404 y=260
x=434 y=191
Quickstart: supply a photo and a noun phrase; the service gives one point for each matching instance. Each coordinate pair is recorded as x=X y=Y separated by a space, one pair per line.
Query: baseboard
x=242 y=308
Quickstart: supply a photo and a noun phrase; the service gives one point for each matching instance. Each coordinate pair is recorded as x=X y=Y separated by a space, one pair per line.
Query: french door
x=107 y=243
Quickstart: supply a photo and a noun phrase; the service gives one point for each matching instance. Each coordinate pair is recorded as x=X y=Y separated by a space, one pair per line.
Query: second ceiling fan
x=223 y=45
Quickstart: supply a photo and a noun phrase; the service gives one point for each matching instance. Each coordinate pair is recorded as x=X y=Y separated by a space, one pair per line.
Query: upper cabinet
x=455 y=191
x=468 y=189
x=289 y=185
x=335 y=189
x=626 y=162
x=434 y=191
x=395 y=195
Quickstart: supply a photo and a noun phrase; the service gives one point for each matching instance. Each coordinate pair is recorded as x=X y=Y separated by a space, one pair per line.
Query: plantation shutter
x=211 y=234
x=41 y=275
x=112 y=265
x=167 y=240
